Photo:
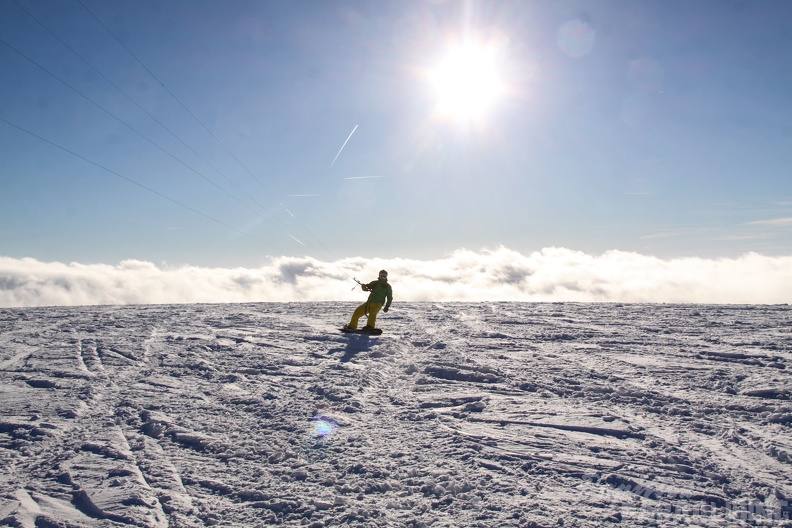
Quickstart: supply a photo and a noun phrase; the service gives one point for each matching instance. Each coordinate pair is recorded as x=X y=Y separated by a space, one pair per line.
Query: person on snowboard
x=381 y=294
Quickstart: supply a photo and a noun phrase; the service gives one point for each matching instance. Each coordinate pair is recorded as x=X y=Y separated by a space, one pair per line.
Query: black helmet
x=383 y=274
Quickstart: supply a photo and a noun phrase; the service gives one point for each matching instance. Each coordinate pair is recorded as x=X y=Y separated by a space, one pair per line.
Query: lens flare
x=318 y=437
x=576 y=38
x=323 y=427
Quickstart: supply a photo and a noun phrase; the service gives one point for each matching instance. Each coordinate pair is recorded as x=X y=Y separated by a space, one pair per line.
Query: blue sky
x=658 y=127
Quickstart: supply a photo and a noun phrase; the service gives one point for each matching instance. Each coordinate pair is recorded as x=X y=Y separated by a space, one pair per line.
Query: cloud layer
x=552 y=274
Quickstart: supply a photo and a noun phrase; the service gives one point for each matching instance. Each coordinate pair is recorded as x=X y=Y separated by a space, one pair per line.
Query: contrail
x=344 y=145
x=364 y=177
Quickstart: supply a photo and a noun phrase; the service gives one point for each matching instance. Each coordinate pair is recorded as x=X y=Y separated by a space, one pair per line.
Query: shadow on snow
x=357 y=343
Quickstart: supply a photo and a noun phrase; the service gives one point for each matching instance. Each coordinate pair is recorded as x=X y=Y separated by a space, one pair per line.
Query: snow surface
x=463 y=414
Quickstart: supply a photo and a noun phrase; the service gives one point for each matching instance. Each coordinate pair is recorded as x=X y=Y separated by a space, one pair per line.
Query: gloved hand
x=385 y=309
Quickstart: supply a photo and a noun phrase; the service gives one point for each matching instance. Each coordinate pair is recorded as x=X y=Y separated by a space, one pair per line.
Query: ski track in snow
x=461 y=414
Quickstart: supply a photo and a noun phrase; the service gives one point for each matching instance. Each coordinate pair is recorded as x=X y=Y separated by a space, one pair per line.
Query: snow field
x=461 y=414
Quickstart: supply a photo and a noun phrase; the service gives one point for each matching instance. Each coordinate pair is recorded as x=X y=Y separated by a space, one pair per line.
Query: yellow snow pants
x=371 y=309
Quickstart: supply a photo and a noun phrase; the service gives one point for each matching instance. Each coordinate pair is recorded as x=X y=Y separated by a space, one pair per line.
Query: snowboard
x=376 y=331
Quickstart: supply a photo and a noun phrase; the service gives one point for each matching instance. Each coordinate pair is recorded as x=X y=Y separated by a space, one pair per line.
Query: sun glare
x=466 y=82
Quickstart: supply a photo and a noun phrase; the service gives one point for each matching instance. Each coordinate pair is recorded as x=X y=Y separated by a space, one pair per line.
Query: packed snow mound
x=466 y=414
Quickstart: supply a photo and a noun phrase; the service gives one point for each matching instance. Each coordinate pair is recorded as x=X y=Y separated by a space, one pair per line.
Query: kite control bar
x=364 y=286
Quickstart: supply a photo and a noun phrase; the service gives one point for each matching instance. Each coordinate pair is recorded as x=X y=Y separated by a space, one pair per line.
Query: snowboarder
x=381 y=294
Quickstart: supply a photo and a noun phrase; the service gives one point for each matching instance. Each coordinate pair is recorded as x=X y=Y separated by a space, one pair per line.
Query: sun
x=467 y=82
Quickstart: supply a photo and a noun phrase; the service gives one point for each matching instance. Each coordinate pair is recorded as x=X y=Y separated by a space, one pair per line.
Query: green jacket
x=380 y=292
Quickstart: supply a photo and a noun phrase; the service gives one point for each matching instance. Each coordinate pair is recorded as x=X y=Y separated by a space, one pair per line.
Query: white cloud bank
x=552 y=274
